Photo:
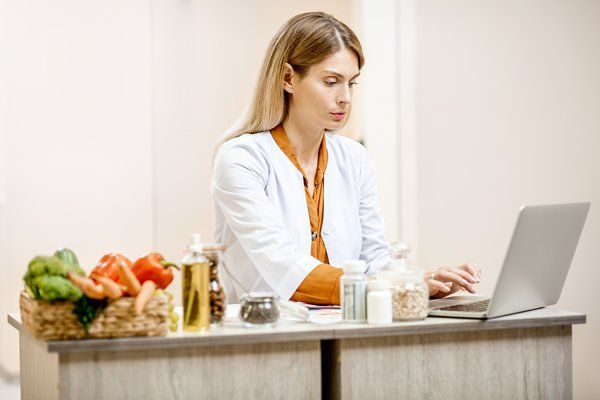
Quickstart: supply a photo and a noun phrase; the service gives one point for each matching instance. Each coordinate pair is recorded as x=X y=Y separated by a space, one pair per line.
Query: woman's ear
x=288 y=78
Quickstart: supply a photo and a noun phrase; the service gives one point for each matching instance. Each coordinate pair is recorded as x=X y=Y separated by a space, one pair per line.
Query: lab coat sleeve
x=375 y=248
x=239 y=181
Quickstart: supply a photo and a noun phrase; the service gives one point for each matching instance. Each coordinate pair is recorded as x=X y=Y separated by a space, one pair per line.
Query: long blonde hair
x=304 y=40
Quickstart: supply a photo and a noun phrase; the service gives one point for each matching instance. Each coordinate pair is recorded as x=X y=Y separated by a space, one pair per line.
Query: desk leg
x=524 y=363
x=38 y=370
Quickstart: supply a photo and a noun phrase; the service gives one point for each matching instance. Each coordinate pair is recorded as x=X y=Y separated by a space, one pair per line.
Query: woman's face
x=322 y=98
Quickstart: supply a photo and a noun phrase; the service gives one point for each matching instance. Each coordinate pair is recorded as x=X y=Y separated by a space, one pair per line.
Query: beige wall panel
x=77 y=138
x=508 y=100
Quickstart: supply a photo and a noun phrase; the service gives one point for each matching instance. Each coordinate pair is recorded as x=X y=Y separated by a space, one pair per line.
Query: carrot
x=87 y=286
x=128 y=278
x=112 y=289
x=144 y=296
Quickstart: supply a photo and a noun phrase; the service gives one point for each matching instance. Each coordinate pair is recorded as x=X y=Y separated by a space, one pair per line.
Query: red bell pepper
x=109 y=266
x=153 y=267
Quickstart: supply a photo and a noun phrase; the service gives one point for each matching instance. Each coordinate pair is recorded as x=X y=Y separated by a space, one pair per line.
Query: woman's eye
x=332 y=83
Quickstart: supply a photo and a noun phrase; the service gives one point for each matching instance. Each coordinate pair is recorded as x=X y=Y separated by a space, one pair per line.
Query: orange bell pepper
x=109 y=266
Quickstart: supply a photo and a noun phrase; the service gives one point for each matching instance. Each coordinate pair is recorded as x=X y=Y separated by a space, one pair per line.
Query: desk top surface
x=285 y=331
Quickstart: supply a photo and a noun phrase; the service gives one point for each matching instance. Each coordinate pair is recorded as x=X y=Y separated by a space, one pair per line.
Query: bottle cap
x=354 y=267
x=379 y=284
x=195 y=242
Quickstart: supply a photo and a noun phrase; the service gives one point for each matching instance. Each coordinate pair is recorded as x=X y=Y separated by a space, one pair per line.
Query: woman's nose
x=345 y=96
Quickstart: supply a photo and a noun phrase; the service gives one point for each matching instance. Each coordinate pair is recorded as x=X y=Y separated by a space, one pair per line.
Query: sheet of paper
x=325 y=316
x=316 y=307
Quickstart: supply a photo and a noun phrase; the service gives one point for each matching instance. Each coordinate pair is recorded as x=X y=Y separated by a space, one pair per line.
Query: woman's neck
x=304 y=140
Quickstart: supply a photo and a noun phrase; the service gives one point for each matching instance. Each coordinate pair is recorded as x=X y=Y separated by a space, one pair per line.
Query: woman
x=293 y=200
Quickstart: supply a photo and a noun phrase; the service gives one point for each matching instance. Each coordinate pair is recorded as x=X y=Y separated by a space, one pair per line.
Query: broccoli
x=40 y=279
x=53 y=287
x=43 y=265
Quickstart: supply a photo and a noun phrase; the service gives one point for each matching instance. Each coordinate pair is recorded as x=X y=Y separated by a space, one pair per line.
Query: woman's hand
x=445 y=281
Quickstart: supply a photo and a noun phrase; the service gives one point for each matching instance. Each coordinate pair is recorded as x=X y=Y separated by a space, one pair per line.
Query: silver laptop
x=535 y=266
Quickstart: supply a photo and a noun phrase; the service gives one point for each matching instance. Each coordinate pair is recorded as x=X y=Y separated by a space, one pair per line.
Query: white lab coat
x=262 y=218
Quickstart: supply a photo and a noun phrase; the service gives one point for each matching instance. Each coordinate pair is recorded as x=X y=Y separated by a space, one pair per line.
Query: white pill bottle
x=379 y=303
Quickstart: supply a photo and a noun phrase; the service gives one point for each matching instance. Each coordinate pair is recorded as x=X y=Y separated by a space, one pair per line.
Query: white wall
x=509 y=114
x=380 y=103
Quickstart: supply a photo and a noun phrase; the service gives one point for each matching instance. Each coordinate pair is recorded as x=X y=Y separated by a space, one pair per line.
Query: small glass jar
x=259 y=310
x=218 y=304
x=410 y=294
x=400 y=252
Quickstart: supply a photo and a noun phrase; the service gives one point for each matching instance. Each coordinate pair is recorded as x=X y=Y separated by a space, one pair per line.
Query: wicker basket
x=56 y=320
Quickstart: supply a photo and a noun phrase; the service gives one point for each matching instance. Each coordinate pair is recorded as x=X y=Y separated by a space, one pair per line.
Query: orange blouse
x=321 y=285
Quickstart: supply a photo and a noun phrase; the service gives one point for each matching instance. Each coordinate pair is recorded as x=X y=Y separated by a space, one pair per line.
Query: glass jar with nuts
x=410 y=294
x=214 y=253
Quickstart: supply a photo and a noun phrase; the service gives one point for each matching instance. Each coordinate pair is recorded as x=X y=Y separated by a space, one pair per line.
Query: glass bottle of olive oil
x=195 y=288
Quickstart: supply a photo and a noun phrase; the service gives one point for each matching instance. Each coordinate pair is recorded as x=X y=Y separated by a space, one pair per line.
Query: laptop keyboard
x=477 y=306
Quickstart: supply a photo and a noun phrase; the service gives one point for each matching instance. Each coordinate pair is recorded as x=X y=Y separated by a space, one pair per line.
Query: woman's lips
x=338 y=116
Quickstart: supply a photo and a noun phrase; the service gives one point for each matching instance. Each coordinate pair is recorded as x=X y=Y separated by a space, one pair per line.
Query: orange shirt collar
x=284 y=144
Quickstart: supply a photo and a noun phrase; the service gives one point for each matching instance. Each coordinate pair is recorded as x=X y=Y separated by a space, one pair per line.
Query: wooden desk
x=526 y=355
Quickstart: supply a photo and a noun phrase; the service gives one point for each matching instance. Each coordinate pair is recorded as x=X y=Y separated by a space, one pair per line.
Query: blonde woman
x=292 y=199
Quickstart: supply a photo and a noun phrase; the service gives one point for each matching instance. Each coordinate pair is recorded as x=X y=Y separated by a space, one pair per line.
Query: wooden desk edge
x=321 y=332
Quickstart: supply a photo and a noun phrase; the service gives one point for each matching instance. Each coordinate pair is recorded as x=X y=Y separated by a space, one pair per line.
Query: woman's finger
x=468 y=276
x=446 y=275
x=472 y=268
x=437 y=286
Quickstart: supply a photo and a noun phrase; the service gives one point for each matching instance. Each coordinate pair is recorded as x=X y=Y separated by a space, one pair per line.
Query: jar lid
x=402 y=275
x=379 y=284
x=399 y=249
x=354 y=266
x=259 y=297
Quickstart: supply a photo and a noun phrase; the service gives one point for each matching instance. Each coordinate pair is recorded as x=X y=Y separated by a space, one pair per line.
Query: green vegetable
x=87 y=309
x=46 y=279
x=67 y=256
x=54 y=287
x=43 y=265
